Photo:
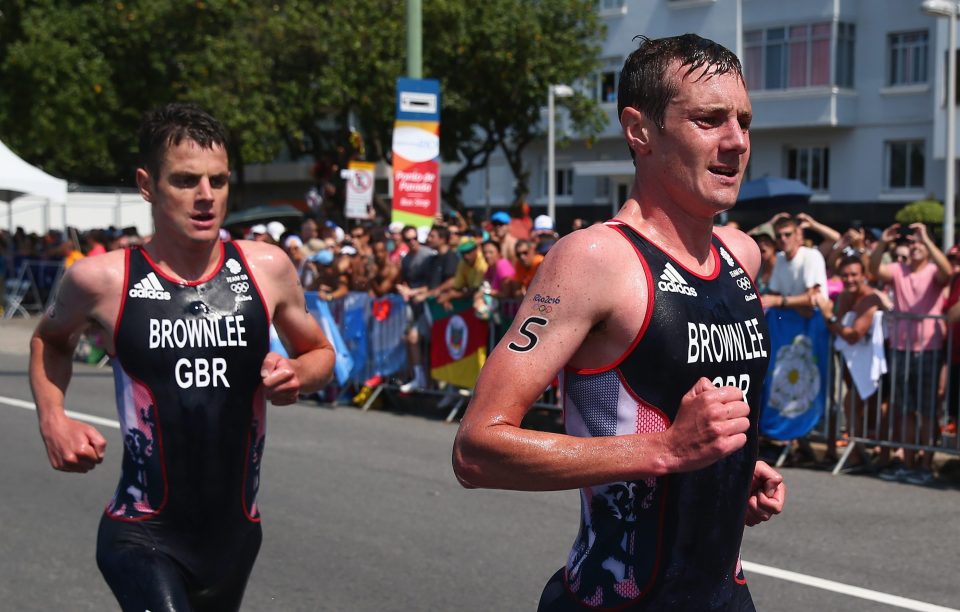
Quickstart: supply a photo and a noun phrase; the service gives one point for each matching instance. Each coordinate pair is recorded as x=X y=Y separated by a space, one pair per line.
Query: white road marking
x=89 y=418
x=844 y=589
x=764 y=570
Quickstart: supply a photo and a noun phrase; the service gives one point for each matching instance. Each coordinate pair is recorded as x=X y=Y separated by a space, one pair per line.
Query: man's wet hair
x=168 y=125
x=645 y=84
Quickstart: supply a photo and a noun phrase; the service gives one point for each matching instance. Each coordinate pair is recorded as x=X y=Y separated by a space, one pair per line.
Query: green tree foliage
x=293 y=75
x=495 y=60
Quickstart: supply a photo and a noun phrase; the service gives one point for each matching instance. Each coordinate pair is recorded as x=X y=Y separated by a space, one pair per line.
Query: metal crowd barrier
x=457 y=399
x=916 y=403
x=31 y=287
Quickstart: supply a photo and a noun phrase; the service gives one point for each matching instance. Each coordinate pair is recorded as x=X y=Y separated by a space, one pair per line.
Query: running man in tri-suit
x=655 y=322
x=187 y=320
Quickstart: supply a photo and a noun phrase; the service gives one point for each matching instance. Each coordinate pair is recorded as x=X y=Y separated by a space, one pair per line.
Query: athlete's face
x=700 y=154
x=189 y=195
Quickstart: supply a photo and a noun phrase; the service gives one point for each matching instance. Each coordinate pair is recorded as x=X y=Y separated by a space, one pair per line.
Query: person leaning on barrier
x=659 y=435
x=387 y=274
x=851 y=319
x=917 y=344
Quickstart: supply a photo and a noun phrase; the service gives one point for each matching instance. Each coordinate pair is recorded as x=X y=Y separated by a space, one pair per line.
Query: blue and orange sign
x=416 y=152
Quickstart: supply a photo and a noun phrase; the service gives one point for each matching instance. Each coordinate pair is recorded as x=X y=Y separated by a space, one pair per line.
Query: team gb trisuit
x=182 y=530
x=669 y=543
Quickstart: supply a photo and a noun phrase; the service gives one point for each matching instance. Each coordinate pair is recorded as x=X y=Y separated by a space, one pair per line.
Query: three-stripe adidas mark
x=671 y=280
x=150 y=288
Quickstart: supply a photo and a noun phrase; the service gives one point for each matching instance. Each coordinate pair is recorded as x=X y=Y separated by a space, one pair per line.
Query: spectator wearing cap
x=469 y=275
x=543 y=232
x=259 y=233
x=500 y=224
x=276 y=231
x=332 y=283
x=306 y=269
x=395 y=237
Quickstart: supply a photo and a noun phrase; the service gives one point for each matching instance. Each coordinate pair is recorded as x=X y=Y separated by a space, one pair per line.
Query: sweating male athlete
x=186 y=319
x=655 y=321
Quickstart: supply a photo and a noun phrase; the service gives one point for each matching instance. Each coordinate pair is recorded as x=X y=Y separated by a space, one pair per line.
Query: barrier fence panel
x=377 y=333
x=31 y=287
x=913 y=404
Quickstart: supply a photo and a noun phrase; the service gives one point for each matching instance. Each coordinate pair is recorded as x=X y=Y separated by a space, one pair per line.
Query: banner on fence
x=794 y=390
x=321 y=312
x=388 y=322
x=458 y=343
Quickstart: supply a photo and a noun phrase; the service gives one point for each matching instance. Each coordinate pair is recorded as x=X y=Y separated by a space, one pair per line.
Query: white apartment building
x=848 y=97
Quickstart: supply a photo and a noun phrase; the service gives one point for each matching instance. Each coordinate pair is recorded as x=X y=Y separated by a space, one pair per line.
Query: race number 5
x=529 y=334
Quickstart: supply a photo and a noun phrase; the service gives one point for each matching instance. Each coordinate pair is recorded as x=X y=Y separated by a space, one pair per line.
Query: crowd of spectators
x=850 y=276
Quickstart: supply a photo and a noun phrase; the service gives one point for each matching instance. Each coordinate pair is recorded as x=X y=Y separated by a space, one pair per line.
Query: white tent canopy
x=20 y=178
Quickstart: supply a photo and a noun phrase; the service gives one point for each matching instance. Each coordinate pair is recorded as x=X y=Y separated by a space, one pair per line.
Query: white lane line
x=845 y=589
x=89 y=418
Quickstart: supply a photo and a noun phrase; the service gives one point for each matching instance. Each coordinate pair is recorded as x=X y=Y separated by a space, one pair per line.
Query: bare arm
x=944 y=269
x=878 y=270
x=492 y=450
x=72 y=446
x=284 y=379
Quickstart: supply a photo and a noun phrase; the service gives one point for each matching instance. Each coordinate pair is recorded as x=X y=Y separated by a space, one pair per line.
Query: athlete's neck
x=185 y=262
x=684 y=237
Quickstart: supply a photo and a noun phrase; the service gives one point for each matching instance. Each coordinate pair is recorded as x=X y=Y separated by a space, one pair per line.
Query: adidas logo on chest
x=149 y=288
x=672 y=281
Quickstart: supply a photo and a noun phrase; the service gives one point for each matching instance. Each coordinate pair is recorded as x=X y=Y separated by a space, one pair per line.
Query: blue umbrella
x=772 y=187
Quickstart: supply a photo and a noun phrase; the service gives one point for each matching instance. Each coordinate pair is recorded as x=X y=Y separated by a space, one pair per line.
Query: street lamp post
x=949 y=9
x=560 y=91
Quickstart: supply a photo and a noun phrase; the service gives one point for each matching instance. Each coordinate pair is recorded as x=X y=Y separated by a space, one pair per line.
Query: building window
x=904 y=165
x=810 y=165
x=603 y=187
x=797 y=56
x=607 y=80
x=908 y=58
x=564 y=184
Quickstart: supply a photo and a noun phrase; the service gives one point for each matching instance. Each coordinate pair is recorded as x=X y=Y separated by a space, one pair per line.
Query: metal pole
x=949 y=206
x=551 y=162
x=414 y=39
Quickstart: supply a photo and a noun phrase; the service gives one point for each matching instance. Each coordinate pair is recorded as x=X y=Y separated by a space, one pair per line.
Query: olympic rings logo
x=239 y=287
x=543 y=309
x=744 y=283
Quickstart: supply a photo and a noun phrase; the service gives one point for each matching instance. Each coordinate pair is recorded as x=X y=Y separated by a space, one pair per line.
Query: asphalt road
x=361 y=512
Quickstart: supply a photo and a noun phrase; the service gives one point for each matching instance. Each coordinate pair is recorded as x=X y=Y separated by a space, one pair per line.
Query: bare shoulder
x=96 y=276
x=263 y=257
x=744 y=247
x=590 y=251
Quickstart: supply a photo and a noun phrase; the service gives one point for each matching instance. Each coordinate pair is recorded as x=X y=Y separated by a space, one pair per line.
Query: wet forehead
x=703 y=90
x=188 y=157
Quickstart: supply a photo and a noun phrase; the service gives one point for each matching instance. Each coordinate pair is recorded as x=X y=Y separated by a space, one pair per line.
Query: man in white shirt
x=800 y=273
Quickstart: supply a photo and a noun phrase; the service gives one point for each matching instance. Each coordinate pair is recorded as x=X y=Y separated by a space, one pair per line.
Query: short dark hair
x=493 y=242
x=168 y=125
x=443 y=232
x=644 y=83
x=847 y=260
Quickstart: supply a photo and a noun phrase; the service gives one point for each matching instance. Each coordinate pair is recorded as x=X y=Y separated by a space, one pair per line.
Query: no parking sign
x=359 y=190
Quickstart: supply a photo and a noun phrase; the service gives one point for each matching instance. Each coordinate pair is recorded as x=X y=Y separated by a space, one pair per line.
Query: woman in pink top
x=499 y=269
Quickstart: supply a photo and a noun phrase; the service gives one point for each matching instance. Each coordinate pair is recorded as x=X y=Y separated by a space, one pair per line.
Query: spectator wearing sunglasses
x=528 y=260
x=799 y=275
